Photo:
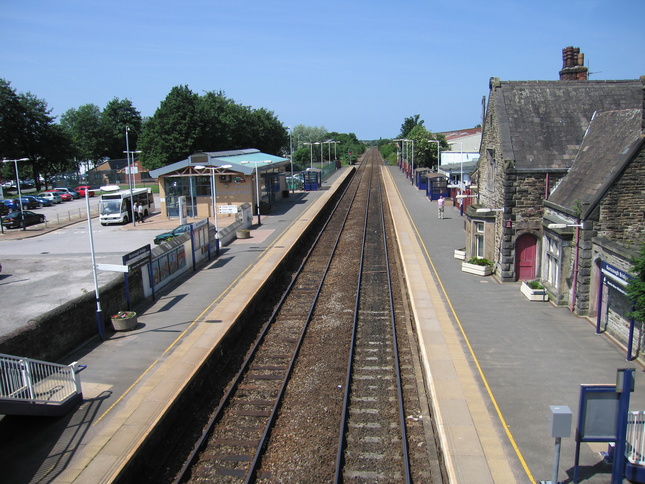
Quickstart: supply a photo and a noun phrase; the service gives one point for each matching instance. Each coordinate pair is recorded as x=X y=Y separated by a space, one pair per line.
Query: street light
x=128 y=152
x=15 y=164
x=311 y=154
x=214 y=169
x=291 y=156
x=257 y=183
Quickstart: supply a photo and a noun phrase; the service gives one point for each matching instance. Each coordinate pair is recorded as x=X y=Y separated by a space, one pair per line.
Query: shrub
x=479 y=261
x=535 y=284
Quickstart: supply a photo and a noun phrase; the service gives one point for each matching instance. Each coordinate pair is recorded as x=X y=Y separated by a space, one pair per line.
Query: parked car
x=53 y=197
x=73 y=193
x=66 y=197
x=42 y=202
x=4 y=208
x=82 y=189
x=182 y=229
x=25 y=218
x=27 y=203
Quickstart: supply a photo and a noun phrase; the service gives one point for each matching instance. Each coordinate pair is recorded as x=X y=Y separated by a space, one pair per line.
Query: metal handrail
x=37 y=382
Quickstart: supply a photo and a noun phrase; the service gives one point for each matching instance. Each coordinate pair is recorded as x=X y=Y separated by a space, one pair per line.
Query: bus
x=115 y=204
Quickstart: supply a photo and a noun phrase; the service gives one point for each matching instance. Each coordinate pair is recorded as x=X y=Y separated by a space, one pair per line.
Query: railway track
x=323 y=394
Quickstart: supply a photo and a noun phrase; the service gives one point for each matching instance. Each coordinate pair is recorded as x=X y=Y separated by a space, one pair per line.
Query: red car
x=65 y=196
x=81 y=191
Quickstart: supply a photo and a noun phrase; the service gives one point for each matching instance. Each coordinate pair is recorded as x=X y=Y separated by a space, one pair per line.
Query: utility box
x=560 y=421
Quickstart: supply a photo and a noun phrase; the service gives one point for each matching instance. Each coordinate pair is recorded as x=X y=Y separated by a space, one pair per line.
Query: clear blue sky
x=357 y=66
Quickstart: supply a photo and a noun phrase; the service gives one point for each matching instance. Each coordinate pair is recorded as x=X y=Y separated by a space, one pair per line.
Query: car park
x=27 y=203
x=42 y=202
x=84 y=188
x=53 y=197
x=25 y=218
x=73 y=193
x=166 y=236
x=66 y=197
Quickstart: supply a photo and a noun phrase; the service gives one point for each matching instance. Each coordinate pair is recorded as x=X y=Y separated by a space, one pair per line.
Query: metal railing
x=635 y=445
x=37 y=382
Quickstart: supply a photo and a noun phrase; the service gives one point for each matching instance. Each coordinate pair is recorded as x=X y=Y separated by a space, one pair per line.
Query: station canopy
x=241 y=161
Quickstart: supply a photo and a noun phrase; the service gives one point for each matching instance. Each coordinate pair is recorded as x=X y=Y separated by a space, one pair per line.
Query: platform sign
x=138 y=258
x=227 y=208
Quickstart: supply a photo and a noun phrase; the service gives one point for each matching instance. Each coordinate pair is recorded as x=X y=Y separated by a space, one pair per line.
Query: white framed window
x=479 y=239
x=552 y=261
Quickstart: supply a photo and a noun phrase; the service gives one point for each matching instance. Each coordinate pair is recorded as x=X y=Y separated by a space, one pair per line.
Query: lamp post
x=438 y=151
x=291 y=156
x=257 y=183
x=99 y=312
x=128 y=153
x=311 y=154
x=213 y=170
x=15 y=164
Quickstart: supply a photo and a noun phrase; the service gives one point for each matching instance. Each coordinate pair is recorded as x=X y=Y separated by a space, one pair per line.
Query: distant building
x=464 y=154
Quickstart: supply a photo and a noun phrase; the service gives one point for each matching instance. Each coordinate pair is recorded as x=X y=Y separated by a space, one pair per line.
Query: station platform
x=494 y=361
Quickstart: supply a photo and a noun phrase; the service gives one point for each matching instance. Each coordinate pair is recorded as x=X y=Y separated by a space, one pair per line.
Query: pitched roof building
x=532 y=133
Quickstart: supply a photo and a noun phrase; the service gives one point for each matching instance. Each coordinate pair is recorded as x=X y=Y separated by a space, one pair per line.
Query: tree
x=171 y=134
x=186 y=123
x=27 y=130
x=636 y=287
x=117 y=115
x=409 y=124
x=425 y=150
x=85 y=128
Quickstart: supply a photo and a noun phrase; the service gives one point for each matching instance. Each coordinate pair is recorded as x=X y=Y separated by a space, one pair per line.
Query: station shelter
x=231 y=177
x=436 y=186
x=421 y=178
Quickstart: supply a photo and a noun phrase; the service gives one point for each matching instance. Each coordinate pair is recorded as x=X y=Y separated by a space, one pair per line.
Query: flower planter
x=533 y=294
x=460 y=254
x=243 y=234
x=120 y=323
x=476 y=269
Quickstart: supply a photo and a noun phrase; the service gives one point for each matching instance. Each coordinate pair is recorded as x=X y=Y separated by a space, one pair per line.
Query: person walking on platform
x=440 y=203
x=140 y=212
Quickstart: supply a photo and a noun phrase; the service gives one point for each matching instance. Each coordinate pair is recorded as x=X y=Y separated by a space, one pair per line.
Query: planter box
x=460 y=254
x=476 y=269
x=124 y=324
x=533 y=294
x=243 y=234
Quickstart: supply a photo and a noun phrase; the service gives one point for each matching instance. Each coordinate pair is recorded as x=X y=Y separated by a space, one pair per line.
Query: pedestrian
x=440 y=203
x=140 y=212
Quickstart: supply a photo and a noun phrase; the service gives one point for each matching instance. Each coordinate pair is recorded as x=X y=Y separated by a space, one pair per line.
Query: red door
x=525 y=260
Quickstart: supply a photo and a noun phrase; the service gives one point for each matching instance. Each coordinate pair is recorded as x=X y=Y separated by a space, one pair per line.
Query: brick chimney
x=573 y=65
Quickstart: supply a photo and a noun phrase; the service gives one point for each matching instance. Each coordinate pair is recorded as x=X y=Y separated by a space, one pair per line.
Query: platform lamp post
x=99 y=311
x=128 y=153
x=311 y=154
x=15 y=164
x=257 y=183
x=213 y=170
x=291 y=156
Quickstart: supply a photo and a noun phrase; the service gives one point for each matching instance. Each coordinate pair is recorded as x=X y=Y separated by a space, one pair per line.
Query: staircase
x=33 y=387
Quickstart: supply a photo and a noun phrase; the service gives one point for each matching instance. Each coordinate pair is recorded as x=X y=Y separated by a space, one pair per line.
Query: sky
x=351 y=66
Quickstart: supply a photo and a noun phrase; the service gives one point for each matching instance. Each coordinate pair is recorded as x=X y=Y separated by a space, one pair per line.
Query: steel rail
x=340 y=461
x=224 y=401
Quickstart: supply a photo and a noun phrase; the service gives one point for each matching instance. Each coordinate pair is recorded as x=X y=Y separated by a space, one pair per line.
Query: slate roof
x=609 y=144
x=542 y=123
